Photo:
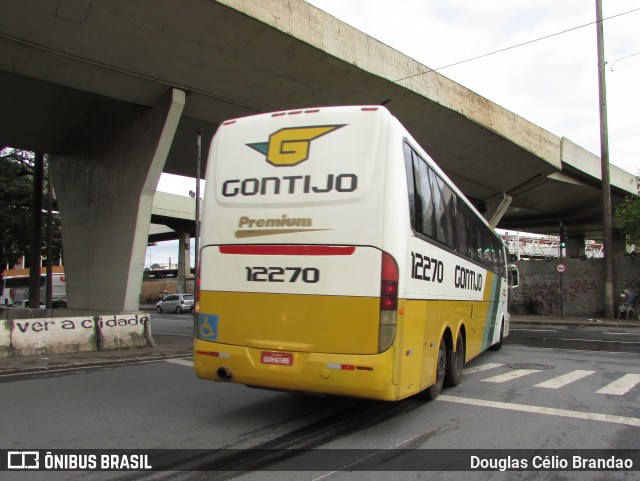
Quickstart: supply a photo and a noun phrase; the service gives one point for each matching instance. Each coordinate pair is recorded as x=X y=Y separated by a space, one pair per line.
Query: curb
x=167 y=347
x=90 y=364
x=577 y=322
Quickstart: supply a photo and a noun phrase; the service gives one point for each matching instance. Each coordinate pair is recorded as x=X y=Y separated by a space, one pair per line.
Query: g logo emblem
x=288 y=147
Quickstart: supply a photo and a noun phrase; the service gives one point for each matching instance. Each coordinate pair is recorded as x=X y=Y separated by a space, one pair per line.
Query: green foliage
x=16 y=208
x=628 y=217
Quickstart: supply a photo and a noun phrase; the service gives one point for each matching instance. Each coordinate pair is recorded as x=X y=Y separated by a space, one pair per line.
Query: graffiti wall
x=579 y=290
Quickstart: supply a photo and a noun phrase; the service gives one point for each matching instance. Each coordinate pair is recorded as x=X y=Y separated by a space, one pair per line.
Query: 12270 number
x=426 y=268
x=310 y=275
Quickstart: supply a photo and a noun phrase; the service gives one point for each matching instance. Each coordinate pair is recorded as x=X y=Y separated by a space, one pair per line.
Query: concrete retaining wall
x=5 y=338
x=38 y=337
x=124 y=331
x=582 y=286
x=37 y=333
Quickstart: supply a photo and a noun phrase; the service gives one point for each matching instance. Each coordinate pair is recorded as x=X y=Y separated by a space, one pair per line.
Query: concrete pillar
x=575 y=247
x=184 y=261
x=619 y=244
x=496 y=208
x=105 y=176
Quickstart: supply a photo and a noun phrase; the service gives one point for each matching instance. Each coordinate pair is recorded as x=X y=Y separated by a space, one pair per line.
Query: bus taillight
x=388 y=302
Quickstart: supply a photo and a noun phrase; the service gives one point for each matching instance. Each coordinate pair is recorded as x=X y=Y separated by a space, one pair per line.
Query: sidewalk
x=168 y=347
x=573 y=321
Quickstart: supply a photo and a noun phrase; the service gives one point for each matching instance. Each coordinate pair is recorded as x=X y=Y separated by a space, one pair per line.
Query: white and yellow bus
x=14 y=287
x=338 y=258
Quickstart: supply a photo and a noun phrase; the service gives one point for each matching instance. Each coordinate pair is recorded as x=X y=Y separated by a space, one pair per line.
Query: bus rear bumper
x=365 y=376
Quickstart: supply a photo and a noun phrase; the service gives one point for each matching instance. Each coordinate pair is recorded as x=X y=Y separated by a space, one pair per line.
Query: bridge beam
x=105 y=176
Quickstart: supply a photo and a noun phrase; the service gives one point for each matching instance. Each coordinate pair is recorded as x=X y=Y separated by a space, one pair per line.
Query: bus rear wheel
x=432 y=391
x=455 y=363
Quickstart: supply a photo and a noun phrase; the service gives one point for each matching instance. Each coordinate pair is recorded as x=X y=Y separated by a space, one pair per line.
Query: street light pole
x=606 y=181
x=198 y=174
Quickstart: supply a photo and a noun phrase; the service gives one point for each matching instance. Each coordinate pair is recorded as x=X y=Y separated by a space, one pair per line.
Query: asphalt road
x=611 y=339
x=538 y=392
x=172 y=324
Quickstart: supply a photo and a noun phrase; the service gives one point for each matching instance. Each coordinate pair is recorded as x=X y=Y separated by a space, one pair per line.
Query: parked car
x=178 y=303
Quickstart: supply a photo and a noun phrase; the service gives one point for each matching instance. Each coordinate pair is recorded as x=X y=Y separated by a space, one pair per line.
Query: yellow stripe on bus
x=330 y=324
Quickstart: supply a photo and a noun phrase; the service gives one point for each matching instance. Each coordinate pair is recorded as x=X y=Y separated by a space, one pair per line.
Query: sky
x=552 y=82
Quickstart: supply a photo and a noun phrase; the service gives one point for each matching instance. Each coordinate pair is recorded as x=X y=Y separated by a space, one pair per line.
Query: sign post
x=562 y=243
x=560 y=268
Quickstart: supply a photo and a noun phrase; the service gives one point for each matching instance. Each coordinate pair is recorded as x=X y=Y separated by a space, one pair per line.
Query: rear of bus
x=296 y=291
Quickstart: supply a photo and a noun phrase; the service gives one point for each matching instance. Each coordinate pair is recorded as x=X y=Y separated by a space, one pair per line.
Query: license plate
x=277 y=358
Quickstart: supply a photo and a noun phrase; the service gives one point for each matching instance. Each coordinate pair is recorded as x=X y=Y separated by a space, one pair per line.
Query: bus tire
x=432 y=391
x=498 y=345
x=455 y=363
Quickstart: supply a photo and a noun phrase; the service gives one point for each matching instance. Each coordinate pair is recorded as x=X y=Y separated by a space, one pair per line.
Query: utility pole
x=606 y=181
x=36 y=232
x=561 y=267
x=49 y=272
x=197 y=239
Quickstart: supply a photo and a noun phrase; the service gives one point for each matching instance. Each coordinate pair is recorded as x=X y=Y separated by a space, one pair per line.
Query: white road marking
x=621 y=386
x=170 y=334
x=176 y=319
x=596 y=340
x=607 y=418
x=181 y=362
x=556 y=349
x=509 y=376
x=561 y=381
x=533 y=330
x=482 y=367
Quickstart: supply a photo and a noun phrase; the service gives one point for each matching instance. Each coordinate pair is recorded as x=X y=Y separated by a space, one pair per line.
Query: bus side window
x=448 y=213
x=411 y=186
x=425 y=194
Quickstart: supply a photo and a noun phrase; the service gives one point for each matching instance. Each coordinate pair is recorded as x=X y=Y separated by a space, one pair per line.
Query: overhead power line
x=477 y=57
x=628 y=56
x=528 y=42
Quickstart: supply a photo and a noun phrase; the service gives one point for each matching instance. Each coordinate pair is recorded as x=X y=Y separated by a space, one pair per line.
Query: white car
x=178 y=303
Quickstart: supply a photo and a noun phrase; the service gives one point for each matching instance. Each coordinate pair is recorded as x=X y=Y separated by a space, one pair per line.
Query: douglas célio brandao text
x=573 y=462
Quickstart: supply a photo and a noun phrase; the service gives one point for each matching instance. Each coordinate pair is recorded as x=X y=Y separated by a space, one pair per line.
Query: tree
x=16 y=209
x=628 y=217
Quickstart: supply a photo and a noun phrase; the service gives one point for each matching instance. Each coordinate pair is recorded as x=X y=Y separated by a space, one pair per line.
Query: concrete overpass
x=117 y=90
x=177 y=212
